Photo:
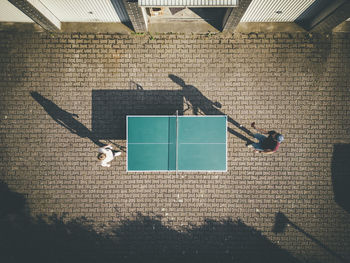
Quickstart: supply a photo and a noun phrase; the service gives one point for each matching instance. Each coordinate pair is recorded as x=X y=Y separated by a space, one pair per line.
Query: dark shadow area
x=43 y=239
x=317 y=12
x=65 y=119
x=141 y=239
x=119 y=8
x=212 y=16
x=341 y=175
x=174 y=10
x=282 y=222
x=214 y=241
x=200 y=104
x=110 y=108
x=10 y=202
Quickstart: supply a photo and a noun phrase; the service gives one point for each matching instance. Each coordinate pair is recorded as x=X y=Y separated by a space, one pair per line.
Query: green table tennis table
x=176 y=143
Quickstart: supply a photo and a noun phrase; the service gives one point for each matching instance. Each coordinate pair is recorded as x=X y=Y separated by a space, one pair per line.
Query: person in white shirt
x=106 y=154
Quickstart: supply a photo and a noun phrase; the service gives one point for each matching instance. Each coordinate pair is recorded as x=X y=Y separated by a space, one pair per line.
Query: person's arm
x=269 y=151
x=259 y=129
x=109 y=146
x=105 y=149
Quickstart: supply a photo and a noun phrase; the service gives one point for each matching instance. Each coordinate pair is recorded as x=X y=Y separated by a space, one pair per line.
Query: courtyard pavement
x=62 y=95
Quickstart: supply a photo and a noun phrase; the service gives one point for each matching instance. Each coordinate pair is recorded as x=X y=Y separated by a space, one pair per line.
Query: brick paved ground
x=295 y=83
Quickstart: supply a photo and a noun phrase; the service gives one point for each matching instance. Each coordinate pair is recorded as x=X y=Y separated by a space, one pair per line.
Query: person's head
x=101 y=156
x=278 y=137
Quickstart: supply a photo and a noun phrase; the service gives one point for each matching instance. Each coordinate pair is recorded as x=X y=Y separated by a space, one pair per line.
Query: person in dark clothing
x=268 y=144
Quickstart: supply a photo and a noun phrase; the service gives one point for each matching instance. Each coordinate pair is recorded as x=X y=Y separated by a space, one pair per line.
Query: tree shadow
x=282 y=222
x=341 y=175
x=215 y=241
x=200 y=104
x=140 y=239
x=24 y=238
x=65 y=119
x=10 y=202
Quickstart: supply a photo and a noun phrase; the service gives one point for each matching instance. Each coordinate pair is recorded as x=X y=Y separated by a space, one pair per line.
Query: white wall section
x=82 y=10
x=188 y=3
x=275 y=10
x=10 y=13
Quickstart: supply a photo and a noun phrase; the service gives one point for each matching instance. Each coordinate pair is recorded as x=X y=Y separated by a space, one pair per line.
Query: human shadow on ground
x=110 y=108
x=341 y=175
x=58 y=239
x=282 y=222
x=200 y=104
x=65 y=119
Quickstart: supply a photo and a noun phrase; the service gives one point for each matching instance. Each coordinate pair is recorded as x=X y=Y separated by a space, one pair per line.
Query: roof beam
x=137 y=15
x=233 y=15
x=38 y=13
x=187 y=3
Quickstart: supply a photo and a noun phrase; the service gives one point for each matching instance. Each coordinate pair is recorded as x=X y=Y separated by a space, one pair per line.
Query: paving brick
x=295 y=83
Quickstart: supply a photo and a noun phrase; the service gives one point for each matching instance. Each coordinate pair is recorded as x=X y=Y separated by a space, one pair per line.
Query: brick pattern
x=295 y=83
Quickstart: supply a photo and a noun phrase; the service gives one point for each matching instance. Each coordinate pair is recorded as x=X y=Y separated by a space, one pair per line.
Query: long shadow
x=281 y=223
x=200 y=104
x=141 y=239
x=65 y=119
x=341 y=175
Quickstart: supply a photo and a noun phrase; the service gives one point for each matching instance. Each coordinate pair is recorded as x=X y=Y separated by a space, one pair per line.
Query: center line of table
x=150 y=143
x=177 y=142
x=202 y=143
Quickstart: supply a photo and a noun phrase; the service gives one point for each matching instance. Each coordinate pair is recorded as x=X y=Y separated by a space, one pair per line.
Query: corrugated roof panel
x=275 y=10
x=188 y=3
x=10 y=13
x=83 y=10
